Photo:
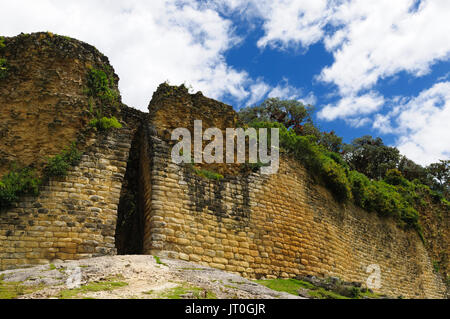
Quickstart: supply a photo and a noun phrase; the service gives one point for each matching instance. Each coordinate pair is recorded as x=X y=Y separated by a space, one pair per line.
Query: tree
x=371 y=157
x=331 y=141
x=292 y=114
x=412 y=171
x=440 y=173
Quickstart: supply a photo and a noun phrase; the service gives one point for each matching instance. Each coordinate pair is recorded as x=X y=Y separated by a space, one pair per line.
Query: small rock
x=302 y=292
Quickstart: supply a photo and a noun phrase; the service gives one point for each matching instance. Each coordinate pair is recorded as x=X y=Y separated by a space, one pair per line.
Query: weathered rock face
x=127 y=196
x=44 y=106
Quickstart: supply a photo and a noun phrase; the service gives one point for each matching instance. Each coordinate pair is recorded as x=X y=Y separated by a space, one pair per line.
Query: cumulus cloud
x=378 y=39
x=257 y=92
x=369 y=40
x=421 y=124
x=260 y=90
x=285 y=91
x=351 y=106
x=289 y=23
x=148 y=42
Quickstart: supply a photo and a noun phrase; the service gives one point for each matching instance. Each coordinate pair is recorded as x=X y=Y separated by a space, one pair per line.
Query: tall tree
x=292 y=114
x=412 y=171
x=440 y=173
x=371 y=157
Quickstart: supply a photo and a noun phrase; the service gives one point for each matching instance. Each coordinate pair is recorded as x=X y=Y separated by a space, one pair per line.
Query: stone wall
x=43 y=104
x=73 y=217
x=279 y=226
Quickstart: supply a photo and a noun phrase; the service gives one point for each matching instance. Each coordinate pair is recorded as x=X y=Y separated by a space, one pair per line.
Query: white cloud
x=383 y=123
x=148 y=42
x=290 y=23
x=369 y=40
x=257 y=92
x=285 y=91
x=378 y=39
x=421 y=124
x=351 y=106
x=260 y=90
x=358 y=122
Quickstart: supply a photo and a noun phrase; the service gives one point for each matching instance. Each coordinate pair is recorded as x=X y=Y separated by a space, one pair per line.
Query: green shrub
x=2 y=42
x=337 y=158
x=207 y=174
x=254 y=167
x=99 y=85
x=58 y=165
x=394 y=196
x=355 y=292
x=105 y=123
x=320 y=163
x=359 y=184
x=395 y=177
x=410 y=216
x=335 y=178
x=16 y=183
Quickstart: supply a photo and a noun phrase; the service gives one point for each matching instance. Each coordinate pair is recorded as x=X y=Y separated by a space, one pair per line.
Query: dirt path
x=141 y=277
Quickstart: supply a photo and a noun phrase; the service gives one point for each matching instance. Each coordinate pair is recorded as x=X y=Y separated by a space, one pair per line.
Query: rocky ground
x=140 y=277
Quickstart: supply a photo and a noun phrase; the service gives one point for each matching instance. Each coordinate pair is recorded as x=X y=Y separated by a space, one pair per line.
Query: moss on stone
x=91 y=287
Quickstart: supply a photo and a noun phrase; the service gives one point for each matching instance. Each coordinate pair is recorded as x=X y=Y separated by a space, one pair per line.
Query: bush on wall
x=394 y=196
x=18 y=182
x=59 y=165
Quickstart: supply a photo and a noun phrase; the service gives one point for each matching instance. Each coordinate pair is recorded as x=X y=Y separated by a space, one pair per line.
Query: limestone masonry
x=127 y=197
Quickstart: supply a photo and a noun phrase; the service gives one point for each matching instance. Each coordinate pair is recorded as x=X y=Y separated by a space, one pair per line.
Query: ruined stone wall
x=73 y=217
x=281 y=225
x=43 y=104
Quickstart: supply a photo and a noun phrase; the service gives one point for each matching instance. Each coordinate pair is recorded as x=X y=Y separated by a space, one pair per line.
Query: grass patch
x=13 y=290
x=91 y=287
x=321 y=293
x=178 y=292
x=290 y=286
x=158 y=261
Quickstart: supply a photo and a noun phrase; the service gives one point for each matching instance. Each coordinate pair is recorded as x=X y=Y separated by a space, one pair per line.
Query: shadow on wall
x=130 y=217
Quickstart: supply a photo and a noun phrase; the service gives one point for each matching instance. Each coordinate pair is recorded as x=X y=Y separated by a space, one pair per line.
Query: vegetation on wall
x=26 y=181
x=59 y=165
x=366 y=172
x=16 y=183
x=207 y=174
x=105 y=123
x=100 y=85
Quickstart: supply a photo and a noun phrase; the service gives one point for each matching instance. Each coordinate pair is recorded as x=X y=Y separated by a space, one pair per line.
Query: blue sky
x=377 y=67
